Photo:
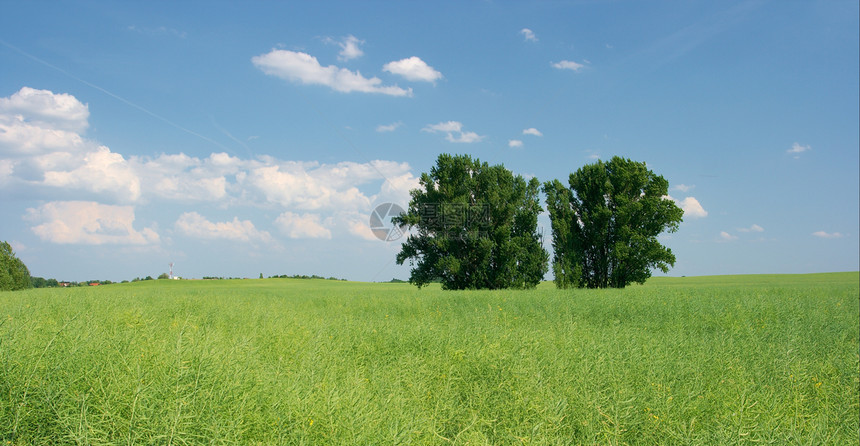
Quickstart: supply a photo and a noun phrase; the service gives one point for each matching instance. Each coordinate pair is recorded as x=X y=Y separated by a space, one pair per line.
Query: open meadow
x=697 y=360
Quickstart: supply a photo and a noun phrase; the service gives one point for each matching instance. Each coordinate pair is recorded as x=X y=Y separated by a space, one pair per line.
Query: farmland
x=696 y=360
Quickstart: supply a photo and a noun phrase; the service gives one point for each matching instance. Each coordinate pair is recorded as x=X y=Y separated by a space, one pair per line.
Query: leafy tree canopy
x=14 y=275
x=605 y=224
x=475 y=227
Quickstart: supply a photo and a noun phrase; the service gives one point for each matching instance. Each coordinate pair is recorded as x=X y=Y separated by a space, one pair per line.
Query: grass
x=698 y=360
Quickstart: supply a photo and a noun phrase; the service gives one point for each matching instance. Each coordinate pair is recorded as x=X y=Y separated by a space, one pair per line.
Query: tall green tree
x=475 y=227
x=14 y=275
x=605 y=224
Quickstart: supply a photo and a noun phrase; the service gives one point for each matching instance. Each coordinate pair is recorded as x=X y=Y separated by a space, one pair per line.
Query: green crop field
x=698 y=360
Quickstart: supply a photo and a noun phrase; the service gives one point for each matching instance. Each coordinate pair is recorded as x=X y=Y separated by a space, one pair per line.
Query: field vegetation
x=696 y=360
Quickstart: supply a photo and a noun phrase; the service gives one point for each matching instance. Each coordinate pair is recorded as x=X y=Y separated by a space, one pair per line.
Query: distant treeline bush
x=302 y=276
x=41 y=282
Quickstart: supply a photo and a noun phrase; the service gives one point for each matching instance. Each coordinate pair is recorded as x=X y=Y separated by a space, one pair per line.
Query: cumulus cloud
x=529 y=35
x=413 y=69
x=725 y=236
x=568 y=65
x=515 y=143
x=306 y=69
x=184 y=178
x=21 y=137
x=349 y=48
x=291 y=186
x=396 y=189
x=691 y=207
x=450 y=126
x=798 y=148
x=38 y=156
x=302 y=226
x=37 y=122
x=101 y=171
x=388 y=128
x=753 y=228
x=357 y=225
x=195 y=225
x=453 y=132
x=44 y=161
x=532 y=131
x=43 y=108
x=823 y=234
x=40 y=146
x=87 y=222
x=313 y=186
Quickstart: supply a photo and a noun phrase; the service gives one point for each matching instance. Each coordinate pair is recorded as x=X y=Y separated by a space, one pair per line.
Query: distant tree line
x=302 y=276
x=475 y=226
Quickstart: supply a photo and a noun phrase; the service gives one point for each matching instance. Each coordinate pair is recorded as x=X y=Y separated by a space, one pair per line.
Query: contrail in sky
x=115 y=96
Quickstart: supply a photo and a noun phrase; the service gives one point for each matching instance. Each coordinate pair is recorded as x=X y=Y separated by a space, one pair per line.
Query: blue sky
x=239 y=138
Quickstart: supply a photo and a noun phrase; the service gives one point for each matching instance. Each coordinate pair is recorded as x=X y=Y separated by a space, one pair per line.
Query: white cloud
x=753 y=228
x=101 y=171
x=310 y=186
x=358 y=225
x=465 y=137
x=727 y=237
x=36 y=122
x=43 y=108
x=798 y=148
x=349 y=48
x=683 y=187
x=86 y=222
x=396 y=189
x=529 y=35
x=532 y=131
x=823 y=234
x=290 y=185
x=304 y=68
x=413 y=69
x=20 y=137
x=454 y=132
x=47 y=162
x=185 y=178
x=6 y=169
x=193 y=224
x=515 y=143
x=691 y=207
x=40 y=146
x=302 y=226
x=568 y=65
x=450 y=126
x=388 y=128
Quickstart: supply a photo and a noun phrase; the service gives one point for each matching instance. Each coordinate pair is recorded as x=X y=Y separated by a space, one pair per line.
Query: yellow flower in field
x=311 y=422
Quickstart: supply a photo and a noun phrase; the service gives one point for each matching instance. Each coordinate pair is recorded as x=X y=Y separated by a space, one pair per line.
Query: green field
x=698 y=360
